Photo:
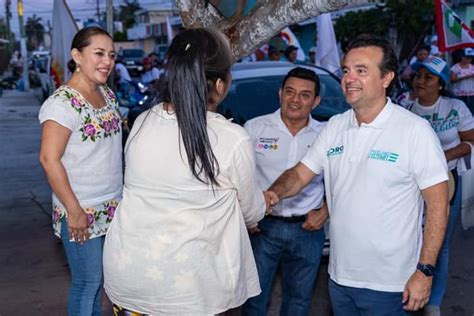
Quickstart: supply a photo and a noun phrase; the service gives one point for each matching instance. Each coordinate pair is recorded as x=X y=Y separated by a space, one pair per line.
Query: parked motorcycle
x=131 y=93
x=9 y=83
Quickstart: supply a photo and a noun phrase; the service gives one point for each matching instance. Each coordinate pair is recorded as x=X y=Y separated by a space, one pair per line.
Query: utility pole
x=26 y=79
x=110 y=29
x=9 y=31
x=110 y=17
x=98 y=11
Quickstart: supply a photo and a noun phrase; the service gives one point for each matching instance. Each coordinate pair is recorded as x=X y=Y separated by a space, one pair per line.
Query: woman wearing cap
x=454 y=125
x=462 y=78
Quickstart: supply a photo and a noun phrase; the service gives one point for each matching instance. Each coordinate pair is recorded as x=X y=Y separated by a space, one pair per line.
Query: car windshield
x=133 y=53
x=252 y=97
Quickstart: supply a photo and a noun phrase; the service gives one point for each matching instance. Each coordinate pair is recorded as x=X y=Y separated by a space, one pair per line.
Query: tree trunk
x=266 y=19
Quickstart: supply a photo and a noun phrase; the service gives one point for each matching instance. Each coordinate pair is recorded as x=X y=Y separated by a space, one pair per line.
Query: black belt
x=290 y=219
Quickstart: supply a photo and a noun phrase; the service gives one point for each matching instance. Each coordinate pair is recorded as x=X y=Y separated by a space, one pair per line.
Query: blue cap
x=437 y=66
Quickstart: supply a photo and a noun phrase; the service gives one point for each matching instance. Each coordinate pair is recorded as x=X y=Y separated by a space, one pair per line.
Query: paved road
x=34 y=275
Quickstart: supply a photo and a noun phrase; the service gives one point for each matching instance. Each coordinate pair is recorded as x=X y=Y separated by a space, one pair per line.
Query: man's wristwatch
x=426 y=269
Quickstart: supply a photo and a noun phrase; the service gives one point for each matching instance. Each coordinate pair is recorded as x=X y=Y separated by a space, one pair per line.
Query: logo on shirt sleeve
x=268 y=143
x=338 y=150
x=383 y=155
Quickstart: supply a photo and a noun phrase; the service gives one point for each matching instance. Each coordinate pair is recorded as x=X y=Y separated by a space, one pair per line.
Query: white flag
x=169 y=30
x=64 y=29
x=327 y=53
x=289 y=37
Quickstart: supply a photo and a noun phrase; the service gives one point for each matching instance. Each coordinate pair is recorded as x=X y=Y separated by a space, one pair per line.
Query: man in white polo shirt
x=293 y=235
x=381 y=163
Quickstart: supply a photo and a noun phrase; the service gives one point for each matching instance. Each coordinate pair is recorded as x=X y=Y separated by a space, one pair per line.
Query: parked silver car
x=255 y=86
x=132 y=58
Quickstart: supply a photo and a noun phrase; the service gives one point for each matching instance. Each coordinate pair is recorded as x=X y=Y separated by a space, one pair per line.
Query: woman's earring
x=78 y=69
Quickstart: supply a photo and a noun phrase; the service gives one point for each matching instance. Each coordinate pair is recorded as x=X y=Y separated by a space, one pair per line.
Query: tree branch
x=266 y=19
x=195 y=13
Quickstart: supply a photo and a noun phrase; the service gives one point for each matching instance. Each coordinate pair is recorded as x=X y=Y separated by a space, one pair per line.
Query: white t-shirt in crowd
x=464 y=87
x=448 y=117
x=123 y=72
x=151 y=75
x=176 y=246
x=373 y=175
x=277 y=150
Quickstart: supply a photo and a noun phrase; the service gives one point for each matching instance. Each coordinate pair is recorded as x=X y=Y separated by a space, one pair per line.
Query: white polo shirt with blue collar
x=373 y=176
x=278 y=150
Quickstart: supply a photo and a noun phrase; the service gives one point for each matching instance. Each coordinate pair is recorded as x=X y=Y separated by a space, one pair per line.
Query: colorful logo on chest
x=338 y=150
x=383 y=155
x=268 y=143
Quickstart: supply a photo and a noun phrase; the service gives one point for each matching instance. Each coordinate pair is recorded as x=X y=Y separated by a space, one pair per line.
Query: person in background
x=292 y=237
x=312 y=55
x=17 y=65
x=122 y=76
x=81 y=154
x=259 y=54
x=179 y=244
x=291 y=53
x=273 y=53
x=462 y=78
x=150 y=72
x=153 y=59
x=408 y=73
x=434 y=49
x=381 y=165
x=453 y=123
x=406 y=98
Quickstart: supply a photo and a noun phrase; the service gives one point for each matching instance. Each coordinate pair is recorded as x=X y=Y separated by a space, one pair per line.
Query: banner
x=453 y=33
x=290 y=39
x=64 y=29
x=327 y=52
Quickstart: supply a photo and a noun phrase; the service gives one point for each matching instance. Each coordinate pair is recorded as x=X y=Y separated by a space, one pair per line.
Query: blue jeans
x=298 y=252
x=85 y=263
x=351 y=301
x=440 y=279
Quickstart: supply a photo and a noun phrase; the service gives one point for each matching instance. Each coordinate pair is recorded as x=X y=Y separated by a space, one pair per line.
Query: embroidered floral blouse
x=93 y=155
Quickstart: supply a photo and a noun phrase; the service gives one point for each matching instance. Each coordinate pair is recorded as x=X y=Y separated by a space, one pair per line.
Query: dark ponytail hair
x=197 y=58
x=83 y=39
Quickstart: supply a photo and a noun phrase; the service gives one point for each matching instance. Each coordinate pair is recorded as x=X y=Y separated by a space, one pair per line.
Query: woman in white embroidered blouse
x=179 y=243
x=81 y=153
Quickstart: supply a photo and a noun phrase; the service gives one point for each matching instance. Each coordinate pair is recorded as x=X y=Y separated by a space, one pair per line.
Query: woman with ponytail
x=179 y=243
x=81 y=153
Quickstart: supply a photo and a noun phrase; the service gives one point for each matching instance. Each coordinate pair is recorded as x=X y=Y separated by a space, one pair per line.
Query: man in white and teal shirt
x=381 y=163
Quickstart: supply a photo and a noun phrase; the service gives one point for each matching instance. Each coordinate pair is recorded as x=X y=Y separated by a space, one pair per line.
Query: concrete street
x=34 y=276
